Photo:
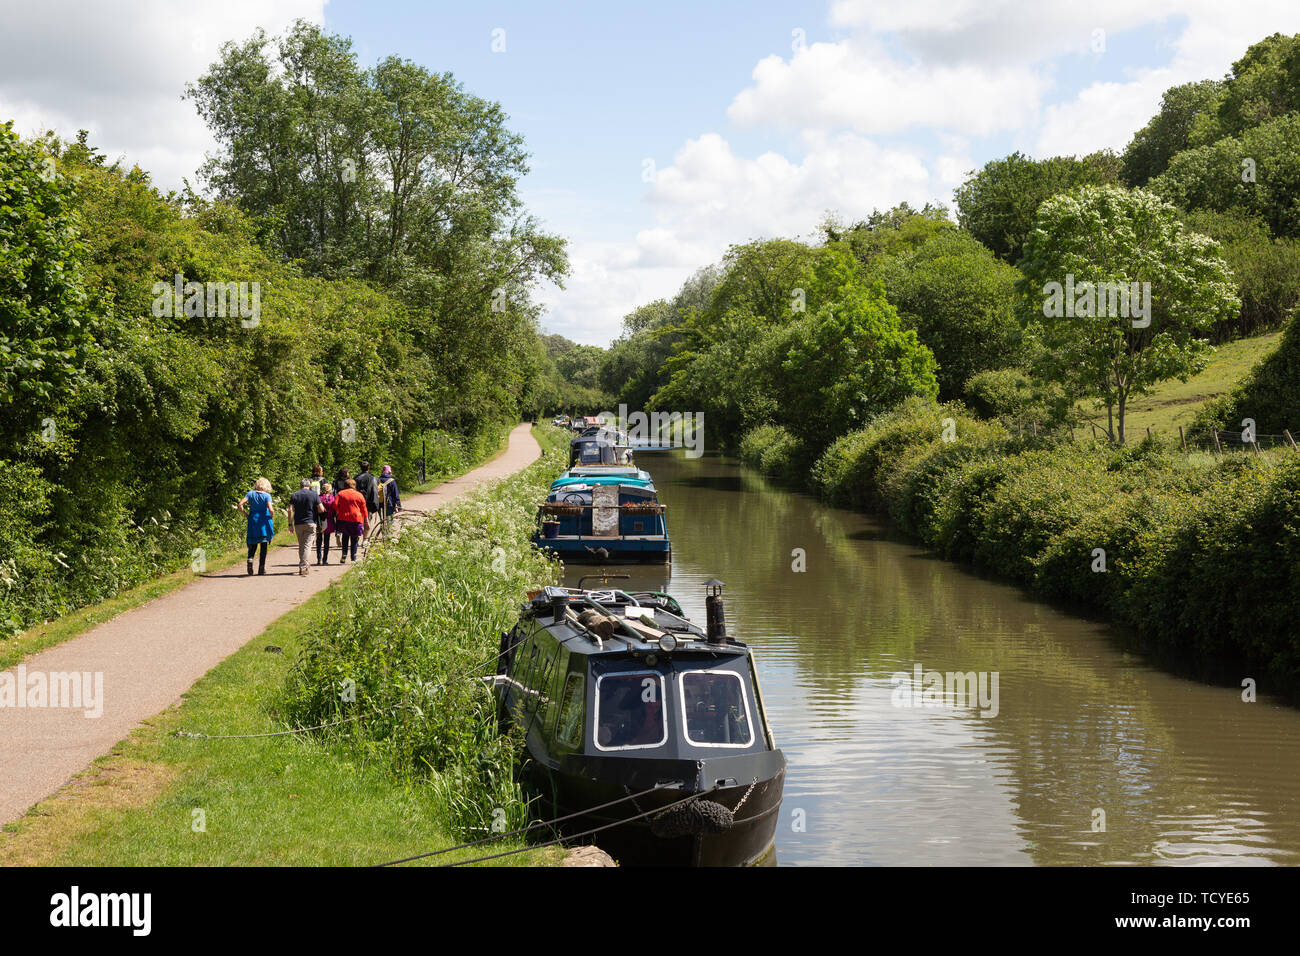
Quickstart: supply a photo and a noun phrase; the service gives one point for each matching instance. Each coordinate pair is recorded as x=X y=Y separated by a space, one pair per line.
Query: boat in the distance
x=620 y=696
x=604 y=513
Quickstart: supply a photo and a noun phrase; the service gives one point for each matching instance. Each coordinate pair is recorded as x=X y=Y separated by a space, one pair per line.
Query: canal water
x=1085 y=755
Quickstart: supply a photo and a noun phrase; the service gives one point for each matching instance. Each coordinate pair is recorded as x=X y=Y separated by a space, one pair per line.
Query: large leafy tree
x=961 y=300
x=1105 y=234
x=393 y=174
x=1169 y=131
x=45 y=324
x=998 y=203
x=1256 y=173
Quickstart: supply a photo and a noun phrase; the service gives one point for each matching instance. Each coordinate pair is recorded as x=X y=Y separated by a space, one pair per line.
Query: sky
x=662 y=133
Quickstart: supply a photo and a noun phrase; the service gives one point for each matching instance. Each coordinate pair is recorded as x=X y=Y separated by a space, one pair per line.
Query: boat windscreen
x=715 y=710
x=629 y=711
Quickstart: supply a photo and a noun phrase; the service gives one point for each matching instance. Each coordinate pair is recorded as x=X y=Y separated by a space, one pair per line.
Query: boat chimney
x=715 y=619
x=559 y=605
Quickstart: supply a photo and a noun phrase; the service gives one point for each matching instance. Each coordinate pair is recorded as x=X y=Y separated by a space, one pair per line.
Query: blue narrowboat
x=604 y=513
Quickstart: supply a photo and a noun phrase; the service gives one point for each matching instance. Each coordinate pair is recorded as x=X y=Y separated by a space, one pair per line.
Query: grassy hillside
x=1176 y=403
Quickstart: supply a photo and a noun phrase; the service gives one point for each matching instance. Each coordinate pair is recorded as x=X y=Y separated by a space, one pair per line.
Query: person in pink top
x=326 y=526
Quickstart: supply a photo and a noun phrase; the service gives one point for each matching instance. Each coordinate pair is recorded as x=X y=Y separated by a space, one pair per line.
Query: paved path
x=151 y=655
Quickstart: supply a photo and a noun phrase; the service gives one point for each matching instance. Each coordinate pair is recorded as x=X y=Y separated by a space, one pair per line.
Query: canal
x=1086 y=754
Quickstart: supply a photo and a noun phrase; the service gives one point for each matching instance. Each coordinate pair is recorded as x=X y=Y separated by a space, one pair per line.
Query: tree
x=1169 y=131
x=1256 y=173
x=1115 y=290
x=997 y=204
x=961 y=300
x=846 y=363
x=45 y=325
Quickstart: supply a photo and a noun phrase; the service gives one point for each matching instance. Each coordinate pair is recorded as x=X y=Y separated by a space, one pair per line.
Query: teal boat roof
x=640 y=479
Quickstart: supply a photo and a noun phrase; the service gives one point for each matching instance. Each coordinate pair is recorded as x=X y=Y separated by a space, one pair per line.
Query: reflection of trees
x=1078 y=728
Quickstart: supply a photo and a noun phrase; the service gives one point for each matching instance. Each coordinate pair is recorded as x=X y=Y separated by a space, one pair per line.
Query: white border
x=744 y=696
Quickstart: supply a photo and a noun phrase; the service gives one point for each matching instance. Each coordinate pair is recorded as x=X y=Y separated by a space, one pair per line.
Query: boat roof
x=609 y=476
x=636 y=635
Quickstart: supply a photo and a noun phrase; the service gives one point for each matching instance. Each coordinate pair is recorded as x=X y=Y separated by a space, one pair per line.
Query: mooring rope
x=531 y=826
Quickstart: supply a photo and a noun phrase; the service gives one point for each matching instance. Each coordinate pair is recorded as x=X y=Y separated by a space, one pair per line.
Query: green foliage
x=892 y=232
x=1170 y=130
x=410 y=632
x=961 y=301
x=1187 y=548
x=1256 y=173
x=1266 y=270
x=173 y=417
x=1015 y=397
x=774 y=451
x=997 y=205
x=45 y=322
x=1270 y=393
x=1104 y=235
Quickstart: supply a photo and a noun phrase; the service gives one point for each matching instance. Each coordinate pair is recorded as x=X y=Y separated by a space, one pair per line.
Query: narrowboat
x=604 y=513
x=618 y=694
x=598 y=449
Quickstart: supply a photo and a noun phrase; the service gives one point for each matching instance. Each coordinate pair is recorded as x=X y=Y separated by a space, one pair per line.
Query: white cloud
x=710 y=197
x=854 y=83
x=118 y=70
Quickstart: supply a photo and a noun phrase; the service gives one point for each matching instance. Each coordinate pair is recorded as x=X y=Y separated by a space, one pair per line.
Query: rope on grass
x=531 y=826
x=586 y=833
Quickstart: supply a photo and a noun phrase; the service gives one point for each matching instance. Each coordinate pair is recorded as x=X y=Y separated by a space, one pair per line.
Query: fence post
x=1181 y=440
x=1217 y=447
x=1148 y=431
x=1287 y=433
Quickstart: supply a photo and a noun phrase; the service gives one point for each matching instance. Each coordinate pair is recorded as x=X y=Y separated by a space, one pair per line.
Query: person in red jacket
x=350 y=516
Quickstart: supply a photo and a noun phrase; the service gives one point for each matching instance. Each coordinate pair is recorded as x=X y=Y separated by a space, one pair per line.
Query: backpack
x=367 y=485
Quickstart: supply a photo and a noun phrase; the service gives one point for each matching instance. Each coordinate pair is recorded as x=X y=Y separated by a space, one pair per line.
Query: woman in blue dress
x=256 y=506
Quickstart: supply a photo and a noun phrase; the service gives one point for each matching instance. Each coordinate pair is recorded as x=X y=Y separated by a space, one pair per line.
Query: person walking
x=317 y=478
x=368 y=488
x=392 y=499
x=304 y=504
x=256 y=507
x=340 y=483
x=325 y=526
x=351 y=515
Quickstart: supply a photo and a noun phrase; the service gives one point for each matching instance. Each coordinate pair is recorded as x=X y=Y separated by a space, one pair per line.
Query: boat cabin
x=619 y=691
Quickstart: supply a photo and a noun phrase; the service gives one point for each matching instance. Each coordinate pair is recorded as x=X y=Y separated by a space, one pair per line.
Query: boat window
x=715 y=710
x=568 y=728
x=630 y=711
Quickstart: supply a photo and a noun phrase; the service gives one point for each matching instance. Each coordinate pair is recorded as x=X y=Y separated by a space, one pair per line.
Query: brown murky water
x=1185 y=773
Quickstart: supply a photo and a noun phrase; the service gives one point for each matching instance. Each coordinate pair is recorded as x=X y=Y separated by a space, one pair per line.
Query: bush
x=774 y=451
x=411 y=629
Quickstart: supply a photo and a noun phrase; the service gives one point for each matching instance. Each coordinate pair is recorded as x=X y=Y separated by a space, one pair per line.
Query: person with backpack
x=368 y=488
x=392 y=499
x=256 y=507
x=326 y=526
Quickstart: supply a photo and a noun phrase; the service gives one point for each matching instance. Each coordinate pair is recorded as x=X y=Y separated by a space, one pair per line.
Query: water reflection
x=1184 y=773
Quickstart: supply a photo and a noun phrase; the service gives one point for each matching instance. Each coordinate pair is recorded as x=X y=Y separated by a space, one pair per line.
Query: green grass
x=287 y=800
x=1175 y=403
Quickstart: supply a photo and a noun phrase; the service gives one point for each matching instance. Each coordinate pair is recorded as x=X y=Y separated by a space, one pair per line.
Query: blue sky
x=759 y=117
